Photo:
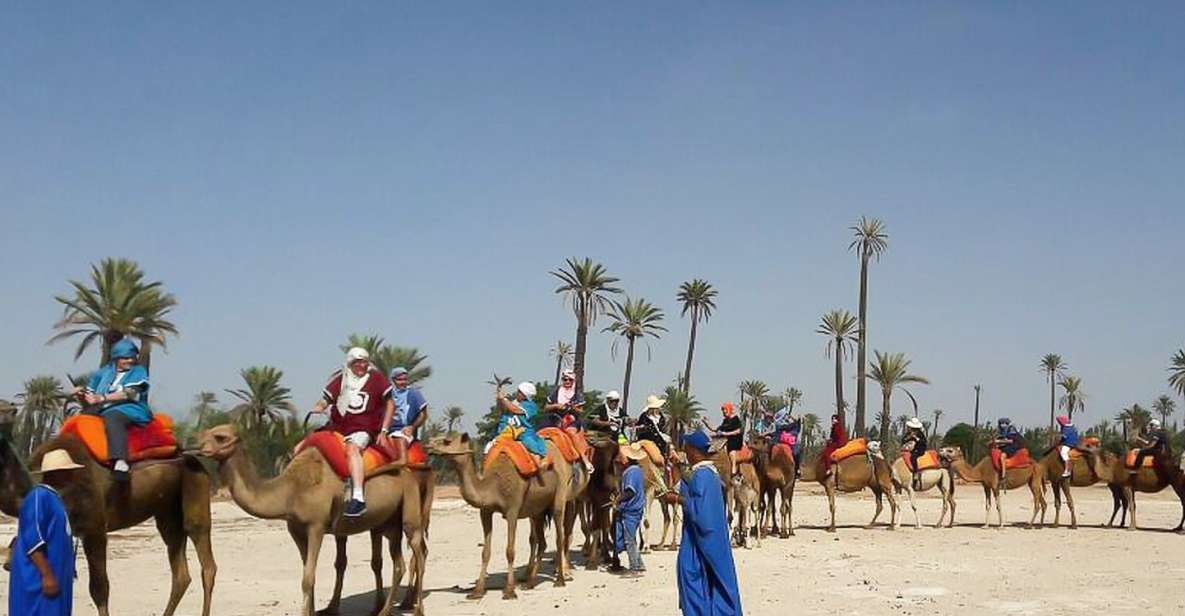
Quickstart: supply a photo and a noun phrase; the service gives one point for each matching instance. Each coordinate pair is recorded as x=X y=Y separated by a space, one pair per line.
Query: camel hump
x=744 y=455
x=782 y=450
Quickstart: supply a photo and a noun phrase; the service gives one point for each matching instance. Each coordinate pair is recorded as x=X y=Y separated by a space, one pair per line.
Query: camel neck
x=966 y=471
x=471 y=484
x=15 y=483
x=262 y=499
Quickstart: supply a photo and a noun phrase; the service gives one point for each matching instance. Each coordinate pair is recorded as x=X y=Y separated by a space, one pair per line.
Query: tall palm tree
x=587 y=287
x=791 y=397
x=263 y=398
x=683 y=410
x=891 y=372
x=810 y=429
x=631 y=320
x=118 y=303
x=204 y=403
x=1138 y=417
x=756 y=391
x=698 y=298
x=1074 y=399
x=1164 y=407
x=1123 y=418
x=1177 y=372
x=386 y=357
x=937 y=417
x=870 y=241
x=975 y=441
x=40 y=413
x=841 y=330
x=562 y=352
x=453 y=415
x=1053 y=367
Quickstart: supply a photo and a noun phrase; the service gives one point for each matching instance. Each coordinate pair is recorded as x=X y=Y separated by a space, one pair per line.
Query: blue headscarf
x=108 y=379
x=124 y=349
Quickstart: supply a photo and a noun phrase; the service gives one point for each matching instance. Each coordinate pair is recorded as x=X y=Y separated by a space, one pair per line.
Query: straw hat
x=654 y=402
x=632 y=451
x=57 y=460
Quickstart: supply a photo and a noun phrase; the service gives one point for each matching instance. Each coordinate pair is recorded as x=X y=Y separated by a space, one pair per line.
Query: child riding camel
x=1067 y=439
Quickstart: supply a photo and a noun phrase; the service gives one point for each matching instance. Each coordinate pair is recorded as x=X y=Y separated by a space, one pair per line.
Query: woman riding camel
x=836 y=439
x=914 y=442
x=564 y=404
x=1067 y=439
x=118 y=393
x=652 y=426
x=360 y=406
x=517 y=421
x=731 y=429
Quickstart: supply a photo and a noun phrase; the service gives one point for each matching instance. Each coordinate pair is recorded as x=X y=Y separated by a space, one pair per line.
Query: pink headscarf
x=564 y=395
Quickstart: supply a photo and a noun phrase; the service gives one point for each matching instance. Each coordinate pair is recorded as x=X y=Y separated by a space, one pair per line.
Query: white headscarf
x=564 y=395
x=351 y=398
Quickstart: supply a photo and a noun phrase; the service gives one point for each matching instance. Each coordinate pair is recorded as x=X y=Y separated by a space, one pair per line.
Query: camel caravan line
x=576 y=479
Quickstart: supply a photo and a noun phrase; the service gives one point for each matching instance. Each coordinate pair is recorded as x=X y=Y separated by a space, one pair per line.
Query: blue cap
x=1004 y=421
x=125 y=349
x=698 y=440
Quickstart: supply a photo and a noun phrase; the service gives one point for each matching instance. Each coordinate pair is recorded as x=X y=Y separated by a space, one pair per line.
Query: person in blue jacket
x=1067 y=439
x=631 y=506
x=118 y=393
x=41 y=581
x=706 y=573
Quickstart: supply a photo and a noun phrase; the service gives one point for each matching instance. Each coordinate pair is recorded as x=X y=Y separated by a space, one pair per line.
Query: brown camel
x=1082 y=474
x=931 y=478
x=859 y=472
x=598 y=499
x=1124 y=484
x=986 y=475
x=308 y=495
x=777 y=475
x=503 y=490
x=175 y=492
x=672 y=516
x=746 y=495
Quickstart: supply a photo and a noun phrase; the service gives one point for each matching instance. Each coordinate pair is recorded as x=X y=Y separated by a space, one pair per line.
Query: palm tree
x=1164 y=407
x=1177 y=372
x=699 y=298
x=562 y=352
x=1138 y=416
x=934 y=430
x=1053 y=367
x=385 y=357
x=683 y=410
x=453 y=415
x=1074 y=399
x=41 y=412
x=205 y=403
x=1123 y=418
x=891 y=372
x=791 y=397
x=587 y=287
x=756 y=391
x=435 y=429
x=900 y=422
x=633 y=319
x=975 y=441
x=118 y=303
x=841 y=330
x=263 y=398
x=870 y=241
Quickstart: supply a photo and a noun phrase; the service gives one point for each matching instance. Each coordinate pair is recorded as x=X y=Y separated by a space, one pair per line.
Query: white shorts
x=361 y=440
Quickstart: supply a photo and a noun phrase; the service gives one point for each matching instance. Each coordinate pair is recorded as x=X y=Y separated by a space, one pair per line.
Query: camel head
x=451 y=444
x=950 y=453
x=7 y=415
x=220 y=442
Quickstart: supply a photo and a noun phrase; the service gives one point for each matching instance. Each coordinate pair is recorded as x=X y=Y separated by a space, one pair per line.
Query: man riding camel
x=411 y=413
x=838 y=437
x=1154 y=442
x=118 y=393
x=517 y=421
x=1008 y=440
x=610 y=419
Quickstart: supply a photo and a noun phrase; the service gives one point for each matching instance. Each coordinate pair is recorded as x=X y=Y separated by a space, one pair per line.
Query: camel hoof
x=328 y=611
x=509 y=594
x=831 y=530
x=475 y=595
x=530 y=584
x=560 y=582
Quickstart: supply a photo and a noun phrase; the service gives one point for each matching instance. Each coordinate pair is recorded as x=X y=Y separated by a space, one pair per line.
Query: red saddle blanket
x=928 y=460
x=744 y=455
x=152 y=441
x=853 y=447
x=1130 y=460
x=1017 y=460
x=333 y=448
x=526 y=463
x=782 y=449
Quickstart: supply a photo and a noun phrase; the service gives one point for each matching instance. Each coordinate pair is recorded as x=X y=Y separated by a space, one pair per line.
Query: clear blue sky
x=295 y=173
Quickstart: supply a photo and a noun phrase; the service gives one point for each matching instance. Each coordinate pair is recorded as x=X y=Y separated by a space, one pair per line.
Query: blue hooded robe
x=706 y=572
x=108 y=380
x=43 y=525
x=631 y=506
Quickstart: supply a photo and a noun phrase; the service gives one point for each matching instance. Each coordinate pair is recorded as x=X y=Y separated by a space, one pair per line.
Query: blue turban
x=125 y=349
x=698 y=440
x=398 y=371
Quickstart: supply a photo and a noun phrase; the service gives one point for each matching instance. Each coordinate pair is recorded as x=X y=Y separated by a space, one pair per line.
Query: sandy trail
x=965 y=570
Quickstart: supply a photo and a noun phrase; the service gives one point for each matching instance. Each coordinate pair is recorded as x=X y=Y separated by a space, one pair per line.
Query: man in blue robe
x=631 y=505
x=706 y=572
x=42 y=579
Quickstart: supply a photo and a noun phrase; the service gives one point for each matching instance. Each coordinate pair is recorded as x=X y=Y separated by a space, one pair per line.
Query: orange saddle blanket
x=854 y=447
x=570 y=442
x=333 y=448
x=653 y=451
x=1130 y=460
x=1089 y=441
x=782 y=449
x=928 y=460
x=1017 y=460
x=153 y=441
x=526 y=463
x=744 y=455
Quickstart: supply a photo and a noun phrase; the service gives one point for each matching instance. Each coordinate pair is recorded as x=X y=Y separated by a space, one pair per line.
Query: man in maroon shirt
x=358 y=398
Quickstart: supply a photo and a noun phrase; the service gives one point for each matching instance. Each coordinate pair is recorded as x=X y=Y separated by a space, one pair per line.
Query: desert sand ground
x=965 y=570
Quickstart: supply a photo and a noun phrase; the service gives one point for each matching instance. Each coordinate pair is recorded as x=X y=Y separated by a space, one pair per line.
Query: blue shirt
x=409 y=403
x=43 y=525
x=631 y=506
x=1069 y=436
x=108 y=380
x=706 y=572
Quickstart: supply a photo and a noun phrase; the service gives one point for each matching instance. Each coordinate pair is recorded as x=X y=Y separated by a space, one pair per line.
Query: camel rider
x=610 y=419
x=1008 y=440
x=652 y=426
x=787 y=430
x=1067 y=439
x=1154 y=443
x=764 y=426
x=360 y=406
x=411 y=412
x=518 y=420
x=564 y=404
x=836 y=439
x=914 y=442
x=118 y=393
x=731 y=428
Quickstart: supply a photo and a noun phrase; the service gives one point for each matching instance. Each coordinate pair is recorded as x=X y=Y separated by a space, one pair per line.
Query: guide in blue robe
x=43 y=525
x=631 y=506
x=706 y=572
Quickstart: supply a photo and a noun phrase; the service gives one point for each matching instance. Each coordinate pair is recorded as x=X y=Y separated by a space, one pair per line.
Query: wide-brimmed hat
x=57 y=460
x=654 y=402
x=914 y=422
x=613 y=395
x=632 y=451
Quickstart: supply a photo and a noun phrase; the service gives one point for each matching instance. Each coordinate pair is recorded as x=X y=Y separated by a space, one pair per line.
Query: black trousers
x=115 y=424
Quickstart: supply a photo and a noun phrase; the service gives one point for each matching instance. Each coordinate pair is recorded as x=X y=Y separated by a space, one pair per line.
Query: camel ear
x=465 y=438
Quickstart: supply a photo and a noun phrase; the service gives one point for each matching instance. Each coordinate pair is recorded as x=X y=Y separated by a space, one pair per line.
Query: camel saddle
x=570 y=442
x=152 y=441
x=928 y=460
x=332 y=446
x=782 y=449
x=854 y=447
x=1129 y=462
x=653 y=451
x=526 y=462
x=1020 y=459
x=1090 y=441
x=744 y=455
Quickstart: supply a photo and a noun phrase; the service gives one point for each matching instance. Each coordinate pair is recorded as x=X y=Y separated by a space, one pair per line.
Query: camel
x=174 y=492
x=859 y=472
x=985 y=475
x=672 y=516
x=308 y=496
x=1082 y=474
x=598 y=499
x=1124 y=485
x=777 y=475
x=931 y=478
x=503 y=490
x=746 y=495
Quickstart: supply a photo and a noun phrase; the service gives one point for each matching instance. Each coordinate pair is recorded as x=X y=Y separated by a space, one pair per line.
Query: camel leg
x=487 y=531
x=1116 y=503
x=339 y=569
x=1070 y=505
x=1130 y=494
x=376 y=567
x=987 y=506
x=561 y=539
x=572 y=513
x=999 y=509
x=943 y=494
x=536 y=557
x=412 y=527
x=195 y=507
x=831 y=504
x=917 y=519
x=316 y=535
x=95 y=547
x=1057 y=504
x=205 y=553
x=174 y=537
x=511 y=530
x=880 y=506
x=788 y=511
